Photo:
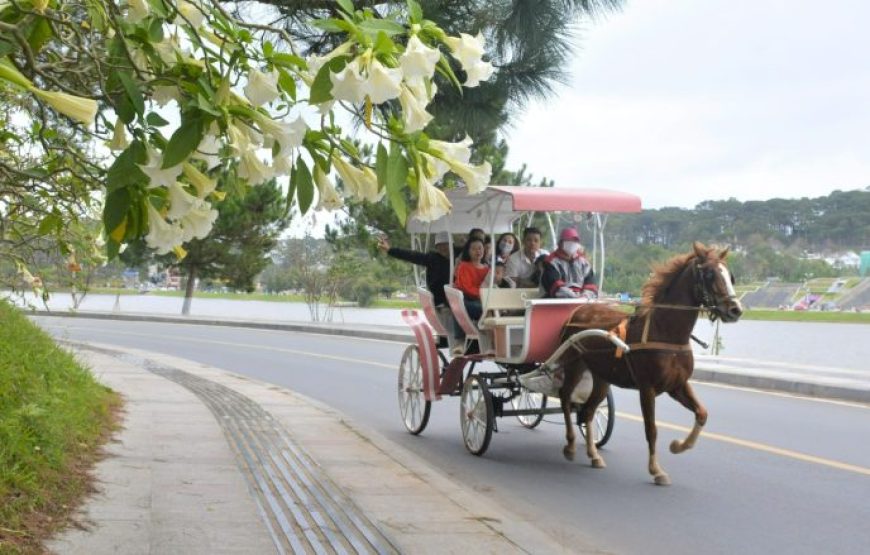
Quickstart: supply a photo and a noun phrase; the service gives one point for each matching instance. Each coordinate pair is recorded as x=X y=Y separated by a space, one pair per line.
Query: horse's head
x=714 y=284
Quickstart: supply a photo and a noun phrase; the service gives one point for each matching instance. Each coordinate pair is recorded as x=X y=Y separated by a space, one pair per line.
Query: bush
x=53 y=416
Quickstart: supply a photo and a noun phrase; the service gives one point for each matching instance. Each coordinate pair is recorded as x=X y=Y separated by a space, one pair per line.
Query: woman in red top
x=470 y=275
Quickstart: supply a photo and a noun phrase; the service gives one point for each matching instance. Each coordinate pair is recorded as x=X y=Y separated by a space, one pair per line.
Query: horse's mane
x=662 y=277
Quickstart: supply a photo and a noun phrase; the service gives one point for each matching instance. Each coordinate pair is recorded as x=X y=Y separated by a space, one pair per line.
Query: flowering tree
x=177 y=90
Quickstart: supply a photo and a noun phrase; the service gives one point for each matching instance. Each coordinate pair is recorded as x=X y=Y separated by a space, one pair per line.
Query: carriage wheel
x=476 y=415
x=529 y=400
x=413 y=406
x=602 y=422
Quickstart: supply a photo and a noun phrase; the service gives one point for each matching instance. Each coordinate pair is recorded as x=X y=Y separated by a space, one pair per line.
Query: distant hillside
x=837 y=222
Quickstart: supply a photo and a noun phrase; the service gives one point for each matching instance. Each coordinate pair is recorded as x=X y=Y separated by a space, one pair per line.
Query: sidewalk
x=213 y=462
x=817 y=381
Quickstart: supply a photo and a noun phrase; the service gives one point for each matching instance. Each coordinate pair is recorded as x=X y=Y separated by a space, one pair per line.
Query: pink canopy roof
x=551 y=199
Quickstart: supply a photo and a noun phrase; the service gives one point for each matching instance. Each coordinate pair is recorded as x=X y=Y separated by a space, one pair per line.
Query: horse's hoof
x=662 y=480
x=677 y=447
x=569 y=453
x=598 y=462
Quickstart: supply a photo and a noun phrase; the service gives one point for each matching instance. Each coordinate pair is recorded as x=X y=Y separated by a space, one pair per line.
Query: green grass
x=808 y=316
x=53 y=417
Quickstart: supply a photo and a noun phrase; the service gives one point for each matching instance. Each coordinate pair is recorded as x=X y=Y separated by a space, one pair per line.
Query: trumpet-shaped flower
x=137 y=10
x=329 y=197
x=281 y=165
x=476 y=178
x=167 y=49
x=383 y=83
x=348 y=84
x=262 y=88
x=481 y=71
x=157 y=176
x=162 y=235
x=180 y=202
x=465 y=48
x=164 y=94
x=288 y=135
x=362 y=183
x=419 y=60
x=198 y=221
x=191 y=13
x=204 y=184
x=208 y=151
x=439 y=161
x=414 y=112
x=432 y=203
x=253 y=169
x=119 y=137
x=80 y=109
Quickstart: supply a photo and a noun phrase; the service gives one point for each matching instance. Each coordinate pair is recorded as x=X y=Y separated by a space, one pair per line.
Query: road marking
x=757 y=446
x=850 y=404
x=257 y=347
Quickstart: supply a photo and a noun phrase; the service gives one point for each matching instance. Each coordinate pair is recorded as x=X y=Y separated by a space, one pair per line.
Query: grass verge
x=53 y=419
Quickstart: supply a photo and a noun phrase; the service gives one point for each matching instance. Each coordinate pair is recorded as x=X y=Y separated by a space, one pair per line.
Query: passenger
x=437 y=264
x=521 y=266
x=487 y=250
x=499 y=279
x=507 y=245
x=566 y=271
x=469 y=276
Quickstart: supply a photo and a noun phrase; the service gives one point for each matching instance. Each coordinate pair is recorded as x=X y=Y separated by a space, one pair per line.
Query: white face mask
x=571 y=247
x=505 y=248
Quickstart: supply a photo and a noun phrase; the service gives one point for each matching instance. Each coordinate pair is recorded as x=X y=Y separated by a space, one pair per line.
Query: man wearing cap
x=566 y=272
x=436 y=262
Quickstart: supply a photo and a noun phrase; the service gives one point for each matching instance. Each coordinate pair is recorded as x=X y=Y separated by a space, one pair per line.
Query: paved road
x=781 y=475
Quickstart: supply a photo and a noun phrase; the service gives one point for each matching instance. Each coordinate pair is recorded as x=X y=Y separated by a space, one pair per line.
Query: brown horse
x=660 y=358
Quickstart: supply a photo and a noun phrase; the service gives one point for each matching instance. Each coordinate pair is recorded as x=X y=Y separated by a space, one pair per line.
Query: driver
x=566 y=271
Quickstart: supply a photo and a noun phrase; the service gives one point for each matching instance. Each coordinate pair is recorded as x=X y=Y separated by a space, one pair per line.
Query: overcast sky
x=681 y=101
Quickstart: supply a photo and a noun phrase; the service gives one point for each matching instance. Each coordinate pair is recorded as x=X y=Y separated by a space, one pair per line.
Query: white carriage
x=519 y=330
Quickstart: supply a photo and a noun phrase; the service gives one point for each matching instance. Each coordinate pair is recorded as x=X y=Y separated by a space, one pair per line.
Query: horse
x=659 y=359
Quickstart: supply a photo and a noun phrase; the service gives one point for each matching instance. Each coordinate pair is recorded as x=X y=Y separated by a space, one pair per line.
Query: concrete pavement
x=213 y=462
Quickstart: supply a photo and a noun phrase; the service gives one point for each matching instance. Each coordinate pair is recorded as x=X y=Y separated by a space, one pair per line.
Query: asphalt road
x=775 y=474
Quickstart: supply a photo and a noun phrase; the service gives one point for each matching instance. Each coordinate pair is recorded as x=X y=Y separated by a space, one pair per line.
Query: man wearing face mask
x=566 y=272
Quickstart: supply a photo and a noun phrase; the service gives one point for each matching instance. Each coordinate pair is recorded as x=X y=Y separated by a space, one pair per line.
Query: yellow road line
x=757 y=446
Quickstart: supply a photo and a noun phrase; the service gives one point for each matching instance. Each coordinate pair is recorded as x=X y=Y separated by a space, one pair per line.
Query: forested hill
x=839 y=221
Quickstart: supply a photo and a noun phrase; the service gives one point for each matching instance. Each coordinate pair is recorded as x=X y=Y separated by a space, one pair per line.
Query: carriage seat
x=505 y=307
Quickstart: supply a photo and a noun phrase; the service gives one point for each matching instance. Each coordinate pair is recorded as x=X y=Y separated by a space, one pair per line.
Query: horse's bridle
x=704 y=293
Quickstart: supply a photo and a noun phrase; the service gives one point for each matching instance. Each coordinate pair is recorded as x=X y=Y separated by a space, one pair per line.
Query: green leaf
x=154 y=119
x=39 y=35
x=155 y=31
x=288 y=60
x=185 y=139
x=374 y=26
x=346 y=5
x=304 y=185
x=397 y=179
x=133 y=92
x=268 y=48
x=287 y=83
x=415 y=11
x=52 y=222
x=383 y=44
x=115 y=211
x=329 y=25
x=291 y=187
x=443 y=67
x=125 y=171
x=321 y=88
x=381 y=161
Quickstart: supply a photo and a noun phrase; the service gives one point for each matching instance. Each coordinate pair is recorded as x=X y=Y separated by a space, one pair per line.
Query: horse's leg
x=686 y=397
x=587 y=415
x=572 y=378
x=648 y=408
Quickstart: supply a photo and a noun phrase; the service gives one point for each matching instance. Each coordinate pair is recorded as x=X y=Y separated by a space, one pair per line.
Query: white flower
x=414 y=112
x=481 y=71
x=80 y=109
x=362 y=183
x=281 y=165
x=419 y=60
x=465 y=48
x=383 y=82
x=208 y=151
x=188 y=11
x=137 y=10
x=119 y=137
x=167 y=48
x=329 y=197
x=243 y=138
x=253 y=169
x=262 y=87
x=157 y=176
x=198 y=221
x=439 y=161
x=476 y=178
x=287 y=135
x=164 y=94
x=204 y=184
x=162 y=235
x=180 y=202
x=432 y=203
x=348 y=84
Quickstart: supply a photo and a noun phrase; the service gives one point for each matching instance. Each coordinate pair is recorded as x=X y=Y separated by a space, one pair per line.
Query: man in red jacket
x=566 y=271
